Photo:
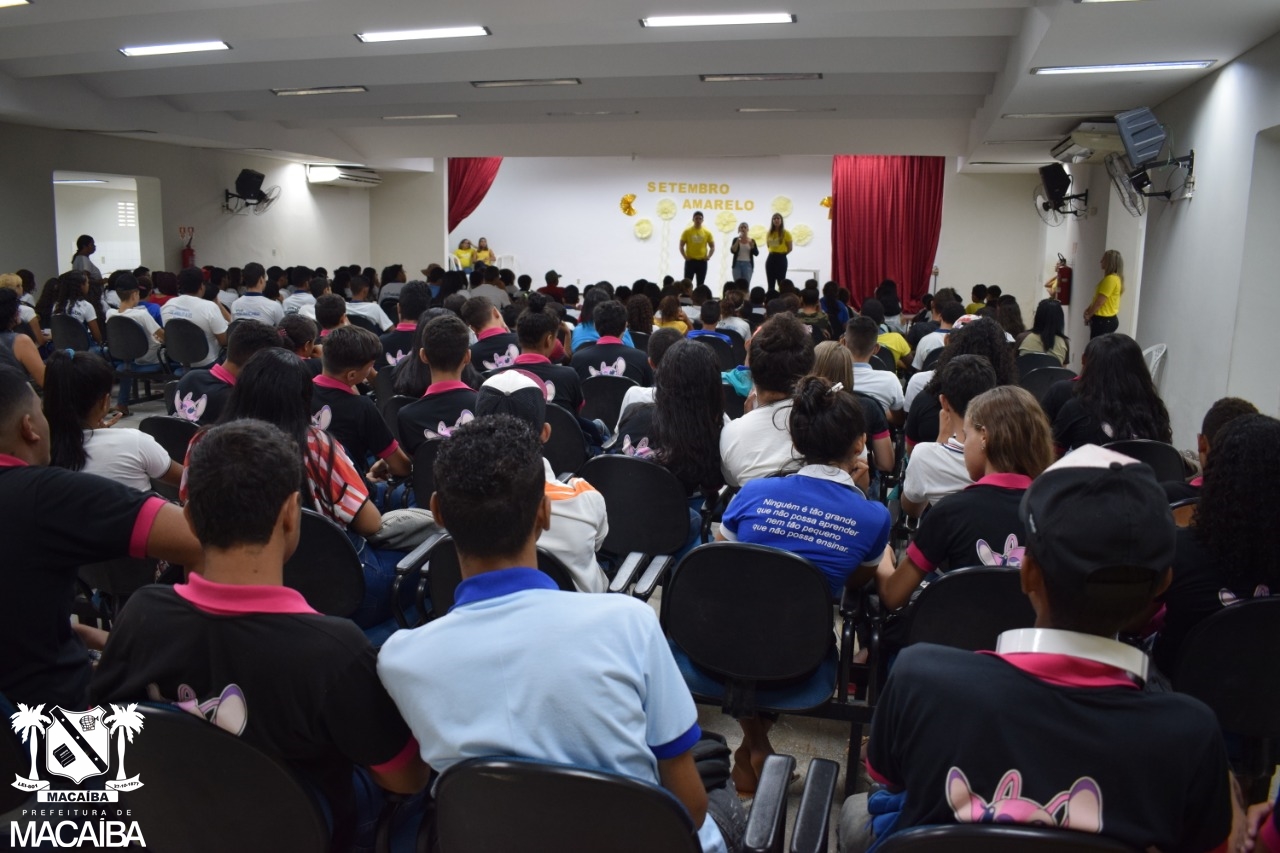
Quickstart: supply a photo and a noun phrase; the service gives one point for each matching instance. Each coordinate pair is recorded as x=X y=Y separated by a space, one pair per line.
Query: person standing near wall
x=697 y=245
x=779 y=243
x=1102 y=311
x=744 y=251
x=82 y=261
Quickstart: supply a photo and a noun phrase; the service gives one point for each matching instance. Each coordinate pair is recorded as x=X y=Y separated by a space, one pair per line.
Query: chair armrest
x=655 y=572
x=412 y=564
x=810 y=831
x=415 y=558
x=766 y=825
x=626 y=572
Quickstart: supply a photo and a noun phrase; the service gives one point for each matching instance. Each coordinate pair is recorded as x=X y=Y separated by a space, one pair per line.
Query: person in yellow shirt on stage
x=779 y=243
x=696 y=247
x=466 y=256
x=484 y=256
x=1102 y=311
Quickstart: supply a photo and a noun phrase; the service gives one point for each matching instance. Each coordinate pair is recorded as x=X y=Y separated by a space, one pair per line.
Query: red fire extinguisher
x=186 y=232
x=1064 y=281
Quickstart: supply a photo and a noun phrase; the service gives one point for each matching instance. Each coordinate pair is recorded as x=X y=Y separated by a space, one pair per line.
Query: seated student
x=812 y=315
x=579 y=522
x=1046 y=334
x=17 y=351
x=28 y=320
x=978 y=299
x=948 y=313
x=925 y=322
x=77 y=397
x=893 y=341
x=671 y=315
x=255 y=303
x=937 y=469
x=860 y=336
x=1220 y=414
x=1007 y=444
x=1227 y=555
x=610 y=354
x=493 y=288
x=834 y=363
x=298 y=334
x=331 y=312
x=659 y=342
x=709 y=315
x=361 y=305
x=448 y=402
x=758 y=444
x=303 y=300
x=835 y=309
x=340 y=410
x=72 y=299
x=415 y=297
x=731 y=308
x=128 y=306
x=67 y=519
x=536 y=329
x=1114 y=398
x=202 y=394
x=298 y=685
x=205 y=314
x=613 y=701
x=1055 y=728
x=982 y=337
x=495 y=346
x=585 y=332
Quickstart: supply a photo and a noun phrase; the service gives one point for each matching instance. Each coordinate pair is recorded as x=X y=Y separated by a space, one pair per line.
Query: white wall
x=408 y=221
x=86 y=210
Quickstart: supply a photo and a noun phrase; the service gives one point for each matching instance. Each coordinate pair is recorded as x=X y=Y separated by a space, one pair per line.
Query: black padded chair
x=174 y=434
x=566 y=449
x=169 y=393
x=1163 y=458
x=115 y=581
x=128 y=344
x=186 y=764
x=391 y=307
x=734 y=404
x=648 y=518
x=384 y=385
x=362 y=322
x=723 y=351
x=1030 y=361
x=640 y=340
x=969 y=608
x=1040 y=380
x=424 y=478
x=602 y=398
x=185 y=342
x=882 y=359
x=994 y=838
x=326 y=568
x=390 y=412
x=1222 y=663
x=69 y=333
x=738 y=345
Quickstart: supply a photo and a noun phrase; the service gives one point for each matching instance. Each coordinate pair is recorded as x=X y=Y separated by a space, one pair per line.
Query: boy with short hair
x=496 y=346
x=448 y=402
x=609 y=354
x=415 y=297
x=254 y=304
x=360 y=305
x=860 y=339
x=127 y=291
x=201 y=394
x=331 y=312
x=340 y=410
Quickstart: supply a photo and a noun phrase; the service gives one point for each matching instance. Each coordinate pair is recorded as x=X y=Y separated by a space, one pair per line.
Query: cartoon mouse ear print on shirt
x=322 y=418
x=187 y=409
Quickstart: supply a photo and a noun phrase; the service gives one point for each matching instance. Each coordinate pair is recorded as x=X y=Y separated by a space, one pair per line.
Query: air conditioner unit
x=1090 y=142
x=343 y=176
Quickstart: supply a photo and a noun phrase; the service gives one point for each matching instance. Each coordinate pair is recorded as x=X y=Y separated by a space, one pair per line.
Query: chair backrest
x=998 y=838
x=566 y=449
x=738 y=345
x=647 y=507
x=723 y=351
x=170 y=401
x=128 y=338
x=1154 y=357
x=930 y=360
x=640 y=340
x=118 y=579
x=537 y=807
x=391 y=307
x=326 y=568
x=444 y=573
x=734 y=405
x=384 y=384
x=969 y=608
x=360 y=321
x=1225 y=662
x=553 y=567
x=749 y=612
x=185 y=342
x=1184 y=511
x=1040 y=380
x=188 y=800
x=424 y=479
x=1030 y=361
x=391 y=413
x=602 y=397
x=68 y=333
x=173 y=434
x=1163 y=458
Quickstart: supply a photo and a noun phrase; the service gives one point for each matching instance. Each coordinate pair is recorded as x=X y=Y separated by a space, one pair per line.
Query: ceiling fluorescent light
x=597 y=113
x=512 y=84
x=415 y=118
x=786 y=109
x=80 y=181
x=1130 y=66
x=321 y=90
x=163 y=49
x=717 y=20
x=416 y=35
x=757 y=78
x=4 y=3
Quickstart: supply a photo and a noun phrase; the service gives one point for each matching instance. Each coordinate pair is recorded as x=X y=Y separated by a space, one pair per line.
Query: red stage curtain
x=469 y=182
x=886 y=216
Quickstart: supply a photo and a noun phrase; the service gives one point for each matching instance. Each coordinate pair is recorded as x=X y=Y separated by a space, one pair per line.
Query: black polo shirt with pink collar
x=398 y=343
x=202 y=394
x=977 y=526
x=563 y=386
x=494 y=349
x=609 y=356
x=353 y=419
x=443 y=408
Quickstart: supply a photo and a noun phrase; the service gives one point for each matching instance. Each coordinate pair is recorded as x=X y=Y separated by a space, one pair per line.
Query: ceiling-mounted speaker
x=1056 y=181
x=249 y=185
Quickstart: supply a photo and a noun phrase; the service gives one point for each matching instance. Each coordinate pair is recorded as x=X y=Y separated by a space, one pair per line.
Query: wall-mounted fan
x=268 y=199
x=1049 y=212
x=1119 y=168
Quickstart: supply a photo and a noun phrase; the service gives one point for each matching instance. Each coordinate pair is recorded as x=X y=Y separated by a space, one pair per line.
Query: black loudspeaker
x=1056 y=182
x=249 y=185
x=1141 y=134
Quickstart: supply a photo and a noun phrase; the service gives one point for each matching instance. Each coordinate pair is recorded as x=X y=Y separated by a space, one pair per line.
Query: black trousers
x=695 y=271
x=775 y=269
x=1103 y=325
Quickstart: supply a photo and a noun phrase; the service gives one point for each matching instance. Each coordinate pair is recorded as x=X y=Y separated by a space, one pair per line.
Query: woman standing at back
x=1102 y=311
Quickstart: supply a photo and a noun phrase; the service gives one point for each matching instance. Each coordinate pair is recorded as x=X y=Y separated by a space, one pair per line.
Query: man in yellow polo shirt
x=696 y=247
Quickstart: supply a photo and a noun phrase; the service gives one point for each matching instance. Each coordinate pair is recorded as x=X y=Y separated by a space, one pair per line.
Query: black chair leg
x=853 y=759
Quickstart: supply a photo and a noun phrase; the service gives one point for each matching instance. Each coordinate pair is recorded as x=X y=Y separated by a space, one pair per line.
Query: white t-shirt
x=143 y=318
x=25 y=313
x=758 y=444
x=228 y=298
x=915 y=385
x=494 y=294
x=255 y=306
x=929 y=343
x=204 y=314
x=579 y=524
x=935 y=471
x=737 y=324
x=371 y=311
x=128 y=456
x=882 y=385
x=636 y=396
x=82 y=311
x=294 y=302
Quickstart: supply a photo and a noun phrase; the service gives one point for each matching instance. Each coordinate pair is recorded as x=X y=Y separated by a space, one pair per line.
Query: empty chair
x=723 y=351
x=1030 y=361
x=969 y=608
x=185 y=342
x=997 y=838
x=738 y=345
x=325 y=568
x=1163 y=458
x=566 y=449
x=640 y=340
x=174 y=434
x=602 y=398
x=1040 y=380
x=69 y=333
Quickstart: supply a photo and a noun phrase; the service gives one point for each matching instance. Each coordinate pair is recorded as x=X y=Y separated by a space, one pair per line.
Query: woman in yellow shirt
x=1102 y=311
x=778 y=240
x=484 y=255
x=466 y=256
x=671 y=315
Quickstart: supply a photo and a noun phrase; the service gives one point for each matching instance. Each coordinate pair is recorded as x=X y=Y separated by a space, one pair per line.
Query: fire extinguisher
x=188 y=253
x=1064 y=281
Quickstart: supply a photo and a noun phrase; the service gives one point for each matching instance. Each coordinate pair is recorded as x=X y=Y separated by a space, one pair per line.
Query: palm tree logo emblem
x=125 y=722
x=29 y=725
x=77 y=743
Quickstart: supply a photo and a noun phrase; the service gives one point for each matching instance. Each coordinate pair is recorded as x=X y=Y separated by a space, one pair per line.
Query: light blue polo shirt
x=519 y=667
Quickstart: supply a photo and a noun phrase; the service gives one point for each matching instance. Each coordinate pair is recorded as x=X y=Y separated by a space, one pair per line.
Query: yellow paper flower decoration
x=726 y=221
x=643 y=229
x=826 y=202
x=667 y=209
x=625 y=204
x=801 y=234
x=782 y=205
x=757 y=233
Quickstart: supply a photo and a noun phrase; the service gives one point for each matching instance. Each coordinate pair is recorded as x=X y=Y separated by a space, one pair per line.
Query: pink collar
x=1197 y=481
x=443 y=387
x=1067 y=671
x=1004 y=481
x=532 y=358
x=221 y=373
x=406 y=326
x=490 y=332
x=329 y=382
x=610 y=339
x=226 y=599
x=7 y=461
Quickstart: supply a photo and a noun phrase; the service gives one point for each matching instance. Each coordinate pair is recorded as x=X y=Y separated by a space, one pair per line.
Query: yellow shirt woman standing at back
x=1102 y=311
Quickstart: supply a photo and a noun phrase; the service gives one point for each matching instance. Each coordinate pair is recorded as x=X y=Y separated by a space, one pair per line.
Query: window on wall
x=127 y=214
